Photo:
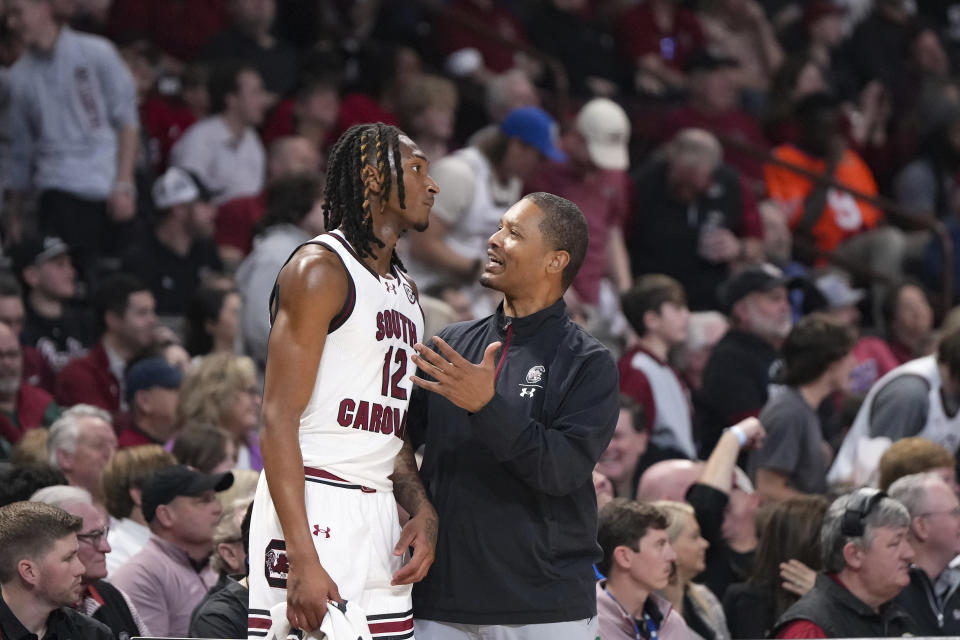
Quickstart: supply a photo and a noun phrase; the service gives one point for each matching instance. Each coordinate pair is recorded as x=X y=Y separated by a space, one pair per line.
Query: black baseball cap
x=765 y=277
x=179 y=480
x=35 y=250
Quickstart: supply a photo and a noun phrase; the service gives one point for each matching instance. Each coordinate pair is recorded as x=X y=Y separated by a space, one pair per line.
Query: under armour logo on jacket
x=527 y=392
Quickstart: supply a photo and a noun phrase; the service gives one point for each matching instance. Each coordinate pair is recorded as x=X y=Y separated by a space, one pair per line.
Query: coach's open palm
x=469 y=386
x=309 y=587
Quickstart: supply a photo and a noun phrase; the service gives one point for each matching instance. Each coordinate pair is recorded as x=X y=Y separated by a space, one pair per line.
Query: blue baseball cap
x=150 y=373
x=534 y=126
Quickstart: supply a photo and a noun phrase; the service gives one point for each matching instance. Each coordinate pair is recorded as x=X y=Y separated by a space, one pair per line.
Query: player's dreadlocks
x=347 y=204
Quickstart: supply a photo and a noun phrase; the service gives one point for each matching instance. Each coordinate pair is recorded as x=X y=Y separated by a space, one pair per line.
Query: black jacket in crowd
x=934 y=615
x=512 y=483
x=114 y=612
x=841 y=614
x=64 y=623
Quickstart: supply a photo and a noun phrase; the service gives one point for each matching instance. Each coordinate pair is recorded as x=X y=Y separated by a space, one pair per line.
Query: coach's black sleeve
x=559 y=457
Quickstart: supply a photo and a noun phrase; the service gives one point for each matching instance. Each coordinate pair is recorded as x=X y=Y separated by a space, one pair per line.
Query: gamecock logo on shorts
x=276 y=566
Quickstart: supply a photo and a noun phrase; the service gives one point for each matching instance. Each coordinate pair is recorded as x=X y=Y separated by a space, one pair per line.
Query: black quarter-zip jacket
x=512 y=483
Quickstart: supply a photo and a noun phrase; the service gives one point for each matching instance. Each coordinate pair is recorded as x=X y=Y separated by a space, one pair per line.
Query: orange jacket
x=843 y=215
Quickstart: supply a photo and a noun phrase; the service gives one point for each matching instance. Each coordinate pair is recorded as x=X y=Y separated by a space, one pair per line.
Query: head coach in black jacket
x=515 y=410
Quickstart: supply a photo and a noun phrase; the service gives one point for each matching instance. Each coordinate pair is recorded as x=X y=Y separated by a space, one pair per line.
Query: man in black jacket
x=511 y=443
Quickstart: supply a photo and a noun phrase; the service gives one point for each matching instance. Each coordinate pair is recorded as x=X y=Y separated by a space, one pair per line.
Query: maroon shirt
x=32 y=406
x=88 y=380
x=236 y=219
x=638 y=34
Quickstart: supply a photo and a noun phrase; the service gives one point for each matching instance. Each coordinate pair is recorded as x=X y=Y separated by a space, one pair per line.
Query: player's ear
x=371 y=179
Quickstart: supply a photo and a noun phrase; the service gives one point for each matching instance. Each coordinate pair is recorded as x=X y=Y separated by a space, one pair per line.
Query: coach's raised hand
x=469 y=386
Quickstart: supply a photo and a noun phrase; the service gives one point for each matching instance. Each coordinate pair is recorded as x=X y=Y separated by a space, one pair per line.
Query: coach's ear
x=557 y=261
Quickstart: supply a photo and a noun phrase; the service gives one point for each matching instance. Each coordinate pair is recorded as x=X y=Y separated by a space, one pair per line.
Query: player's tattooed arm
x=407 y=487
x=420 y=531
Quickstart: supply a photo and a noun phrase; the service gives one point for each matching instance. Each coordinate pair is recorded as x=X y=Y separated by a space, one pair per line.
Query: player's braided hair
x=347 y=199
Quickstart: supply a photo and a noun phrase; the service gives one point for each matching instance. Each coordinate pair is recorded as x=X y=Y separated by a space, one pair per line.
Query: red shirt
x=604 y=198
x=36 y=369
x=179 y=27
x=130 y=436
x=88 y=380
x=236 y=219
x=496 y=56
x=802 y=629
x=358 y=108
x=638 y=34
x=32 y=404
x=164 y=123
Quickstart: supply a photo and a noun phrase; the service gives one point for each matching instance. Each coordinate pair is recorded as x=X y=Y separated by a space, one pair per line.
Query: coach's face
x=517 y=254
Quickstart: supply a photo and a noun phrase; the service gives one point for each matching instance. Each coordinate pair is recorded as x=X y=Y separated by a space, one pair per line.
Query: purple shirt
x=164 y=586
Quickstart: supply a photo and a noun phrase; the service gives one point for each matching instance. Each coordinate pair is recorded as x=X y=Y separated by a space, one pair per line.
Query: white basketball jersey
x=354 y=423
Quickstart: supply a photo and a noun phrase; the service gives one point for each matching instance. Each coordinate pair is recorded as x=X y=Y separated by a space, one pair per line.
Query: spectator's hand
x=121 y=206
x=797 y=577
x=467 y=385
x=754 y=432
x=309 y=587
x=420 y=532
x=603 y=488
x=720 y=245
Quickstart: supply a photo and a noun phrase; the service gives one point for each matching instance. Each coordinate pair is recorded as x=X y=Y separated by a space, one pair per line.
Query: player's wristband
x=739 y=432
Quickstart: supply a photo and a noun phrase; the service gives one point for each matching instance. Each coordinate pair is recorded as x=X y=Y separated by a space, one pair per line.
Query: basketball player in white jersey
x=345 y=318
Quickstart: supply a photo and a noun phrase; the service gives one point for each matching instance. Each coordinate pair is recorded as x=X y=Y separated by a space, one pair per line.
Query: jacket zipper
x=506 y=347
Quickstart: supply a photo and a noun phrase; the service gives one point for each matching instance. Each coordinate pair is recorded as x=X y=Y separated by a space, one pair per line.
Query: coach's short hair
x=29 y=530
x=624 y=522
x=565 y=228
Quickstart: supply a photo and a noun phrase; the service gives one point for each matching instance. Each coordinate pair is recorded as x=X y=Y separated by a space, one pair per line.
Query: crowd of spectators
x=767 y=184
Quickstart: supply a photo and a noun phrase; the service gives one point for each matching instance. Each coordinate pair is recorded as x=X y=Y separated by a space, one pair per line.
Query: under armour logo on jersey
x=317 y=531
x=391 y=287
x=527 y=392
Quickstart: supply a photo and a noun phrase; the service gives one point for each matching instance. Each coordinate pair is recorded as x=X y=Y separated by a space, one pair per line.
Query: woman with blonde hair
x=701 y=610
x=222 y=390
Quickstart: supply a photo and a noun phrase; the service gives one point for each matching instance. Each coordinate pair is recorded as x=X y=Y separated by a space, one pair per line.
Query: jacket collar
x=528 y=325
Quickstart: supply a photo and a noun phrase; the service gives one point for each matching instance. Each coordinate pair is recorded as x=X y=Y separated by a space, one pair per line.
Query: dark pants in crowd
x=95 y=239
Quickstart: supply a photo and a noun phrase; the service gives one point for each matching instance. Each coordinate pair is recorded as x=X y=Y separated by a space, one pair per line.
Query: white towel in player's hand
x=348 y=623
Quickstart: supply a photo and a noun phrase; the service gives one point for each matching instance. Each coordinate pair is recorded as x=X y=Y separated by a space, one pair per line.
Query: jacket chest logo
x=532 y=381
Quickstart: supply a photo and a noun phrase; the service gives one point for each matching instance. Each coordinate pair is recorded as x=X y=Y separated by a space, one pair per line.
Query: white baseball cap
x=178 y=186
x=606 y=128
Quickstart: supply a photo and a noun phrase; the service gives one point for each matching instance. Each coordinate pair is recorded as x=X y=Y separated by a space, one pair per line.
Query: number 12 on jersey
x=390 y=386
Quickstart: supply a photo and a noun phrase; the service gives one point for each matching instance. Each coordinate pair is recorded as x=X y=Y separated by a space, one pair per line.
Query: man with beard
x=40 y=575
x=22 y=405
x=743 y=364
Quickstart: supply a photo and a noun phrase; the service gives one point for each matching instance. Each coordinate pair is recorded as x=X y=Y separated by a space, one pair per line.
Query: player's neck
x=388 y=231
